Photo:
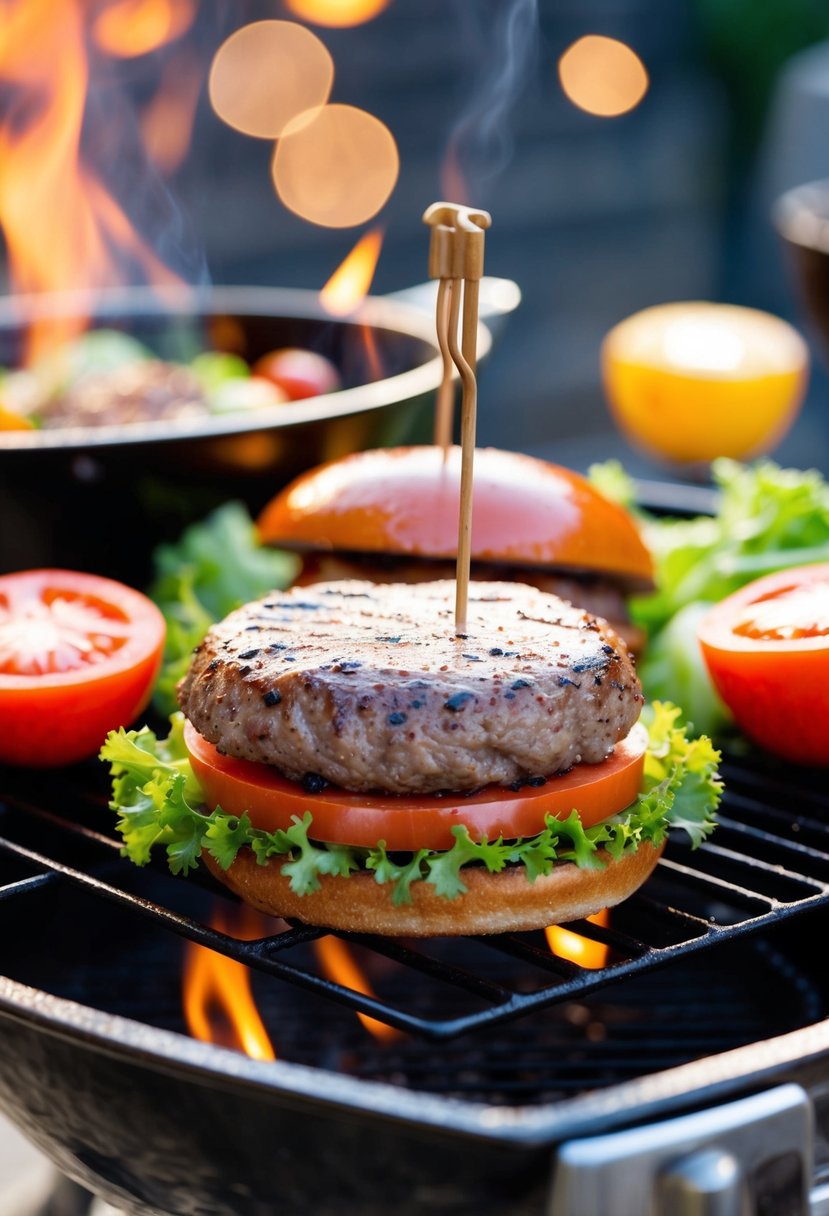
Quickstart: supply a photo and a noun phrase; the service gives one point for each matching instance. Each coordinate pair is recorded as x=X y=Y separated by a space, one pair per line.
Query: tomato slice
x=767 y=649
x=78 y=657
x=409 y=823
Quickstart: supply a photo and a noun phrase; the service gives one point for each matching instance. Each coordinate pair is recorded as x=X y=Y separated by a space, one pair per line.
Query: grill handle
x=705 y=1183
x=751 y=1156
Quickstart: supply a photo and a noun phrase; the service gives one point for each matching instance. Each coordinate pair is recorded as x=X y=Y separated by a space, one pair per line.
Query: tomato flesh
x=794 y=612
x=78 y=658
x=407 y=823
x=53 y=630
x=767 y=650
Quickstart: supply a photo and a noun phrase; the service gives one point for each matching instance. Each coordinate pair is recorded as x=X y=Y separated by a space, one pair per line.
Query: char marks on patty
x=370 y=688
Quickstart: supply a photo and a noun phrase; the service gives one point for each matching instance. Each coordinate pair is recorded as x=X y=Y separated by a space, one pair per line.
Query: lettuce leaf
x=158 y=802
x=216 y=566
x=768 y=518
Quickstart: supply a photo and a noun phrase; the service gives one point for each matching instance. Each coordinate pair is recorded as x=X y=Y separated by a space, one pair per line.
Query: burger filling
x=159 y=802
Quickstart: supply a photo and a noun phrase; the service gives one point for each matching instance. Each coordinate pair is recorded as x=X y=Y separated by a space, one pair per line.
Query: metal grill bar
x=754 y=874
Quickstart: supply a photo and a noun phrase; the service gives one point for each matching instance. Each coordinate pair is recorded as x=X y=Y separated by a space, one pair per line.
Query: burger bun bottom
x=493 y=903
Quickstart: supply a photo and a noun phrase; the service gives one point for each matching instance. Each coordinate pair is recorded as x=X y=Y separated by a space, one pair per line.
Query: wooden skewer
x=456 y=258
x=445 y=407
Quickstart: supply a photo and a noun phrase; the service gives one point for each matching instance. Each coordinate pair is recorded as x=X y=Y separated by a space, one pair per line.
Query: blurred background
x=594 y=217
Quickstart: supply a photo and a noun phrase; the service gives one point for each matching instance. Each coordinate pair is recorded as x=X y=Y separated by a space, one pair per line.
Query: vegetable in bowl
x=109 y=377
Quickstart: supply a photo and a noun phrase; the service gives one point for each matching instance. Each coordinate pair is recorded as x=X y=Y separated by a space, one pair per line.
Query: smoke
x=503 y=39
x=114 y=148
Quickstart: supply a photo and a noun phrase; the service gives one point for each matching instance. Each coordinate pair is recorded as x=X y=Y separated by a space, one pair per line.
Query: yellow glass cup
x=690 y=381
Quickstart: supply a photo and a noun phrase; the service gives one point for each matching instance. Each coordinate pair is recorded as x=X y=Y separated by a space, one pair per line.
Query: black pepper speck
x=272 y=697
x=249 y=654
x=458 y=700
x=396 y=719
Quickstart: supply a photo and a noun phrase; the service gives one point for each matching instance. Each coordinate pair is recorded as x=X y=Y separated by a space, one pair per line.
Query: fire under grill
x=694 y=966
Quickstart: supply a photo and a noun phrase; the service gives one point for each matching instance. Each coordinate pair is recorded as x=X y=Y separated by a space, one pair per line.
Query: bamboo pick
x=456 y=258
x=445 y=407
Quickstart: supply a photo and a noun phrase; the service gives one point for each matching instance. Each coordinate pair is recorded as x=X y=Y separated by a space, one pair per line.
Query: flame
x=337 y=12
x=62 y=227
x=577 y=949
x=218 y=1002
x=128 y=28
x=338 y=964
x=167 y=122
x=349 y=284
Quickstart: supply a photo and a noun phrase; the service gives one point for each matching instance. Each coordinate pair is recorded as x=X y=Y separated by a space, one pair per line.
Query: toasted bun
x=405 y=501
x=494 y=903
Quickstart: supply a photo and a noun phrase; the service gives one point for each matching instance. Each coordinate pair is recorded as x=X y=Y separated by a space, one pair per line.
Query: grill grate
x=768 y=861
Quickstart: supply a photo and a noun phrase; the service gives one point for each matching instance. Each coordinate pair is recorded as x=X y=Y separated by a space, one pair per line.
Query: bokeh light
x=336 y=12
x=602 y=76
x=129 y=28
x=267 y=74
x=337 y=168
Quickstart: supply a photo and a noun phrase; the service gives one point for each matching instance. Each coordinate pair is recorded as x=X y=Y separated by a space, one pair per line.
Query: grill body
x=158 y=1126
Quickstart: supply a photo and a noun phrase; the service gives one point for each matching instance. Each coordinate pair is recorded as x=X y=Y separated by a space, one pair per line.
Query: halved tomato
x=410 y=823
x=78 y=657
x=767 y=649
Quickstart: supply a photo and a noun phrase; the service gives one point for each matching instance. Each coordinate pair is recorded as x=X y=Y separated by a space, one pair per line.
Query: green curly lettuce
x=158 y=801
x=216 y=566
x=767 y=518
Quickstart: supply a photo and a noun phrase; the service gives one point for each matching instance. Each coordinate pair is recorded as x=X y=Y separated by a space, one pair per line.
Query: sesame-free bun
x=404 y=501
x=493 y=903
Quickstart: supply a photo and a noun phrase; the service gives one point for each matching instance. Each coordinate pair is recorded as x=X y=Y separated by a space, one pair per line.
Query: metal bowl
x=80 y=496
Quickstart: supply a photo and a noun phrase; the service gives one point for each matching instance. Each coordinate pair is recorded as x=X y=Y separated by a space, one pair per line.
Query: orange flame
x=218 y=1002
x=349 y=284
x=62 y=227
x=128 y=28
x=339 y=964
x=167 y=122
x=577 y=949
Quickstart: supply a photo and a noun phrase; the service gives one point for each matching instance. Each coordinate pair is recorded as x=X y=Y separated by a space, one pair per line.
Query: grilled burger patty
x=369 y=687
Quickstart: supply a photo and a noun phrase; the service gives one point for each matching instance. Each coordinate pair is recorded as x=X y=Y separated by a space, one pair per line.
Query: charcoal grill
x=704 y=1028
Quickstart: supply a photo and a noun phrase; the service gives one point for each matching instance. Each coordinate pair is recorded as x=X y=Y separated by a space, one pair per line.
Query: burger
x=391 y=515
x=345 y=758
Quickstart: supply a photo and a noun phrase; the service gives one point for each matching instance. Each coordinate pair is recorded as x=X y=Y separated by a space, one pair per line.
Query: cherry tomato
x=767 y=649
x=410 y=823
x=299 y=373
x=78 y=657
